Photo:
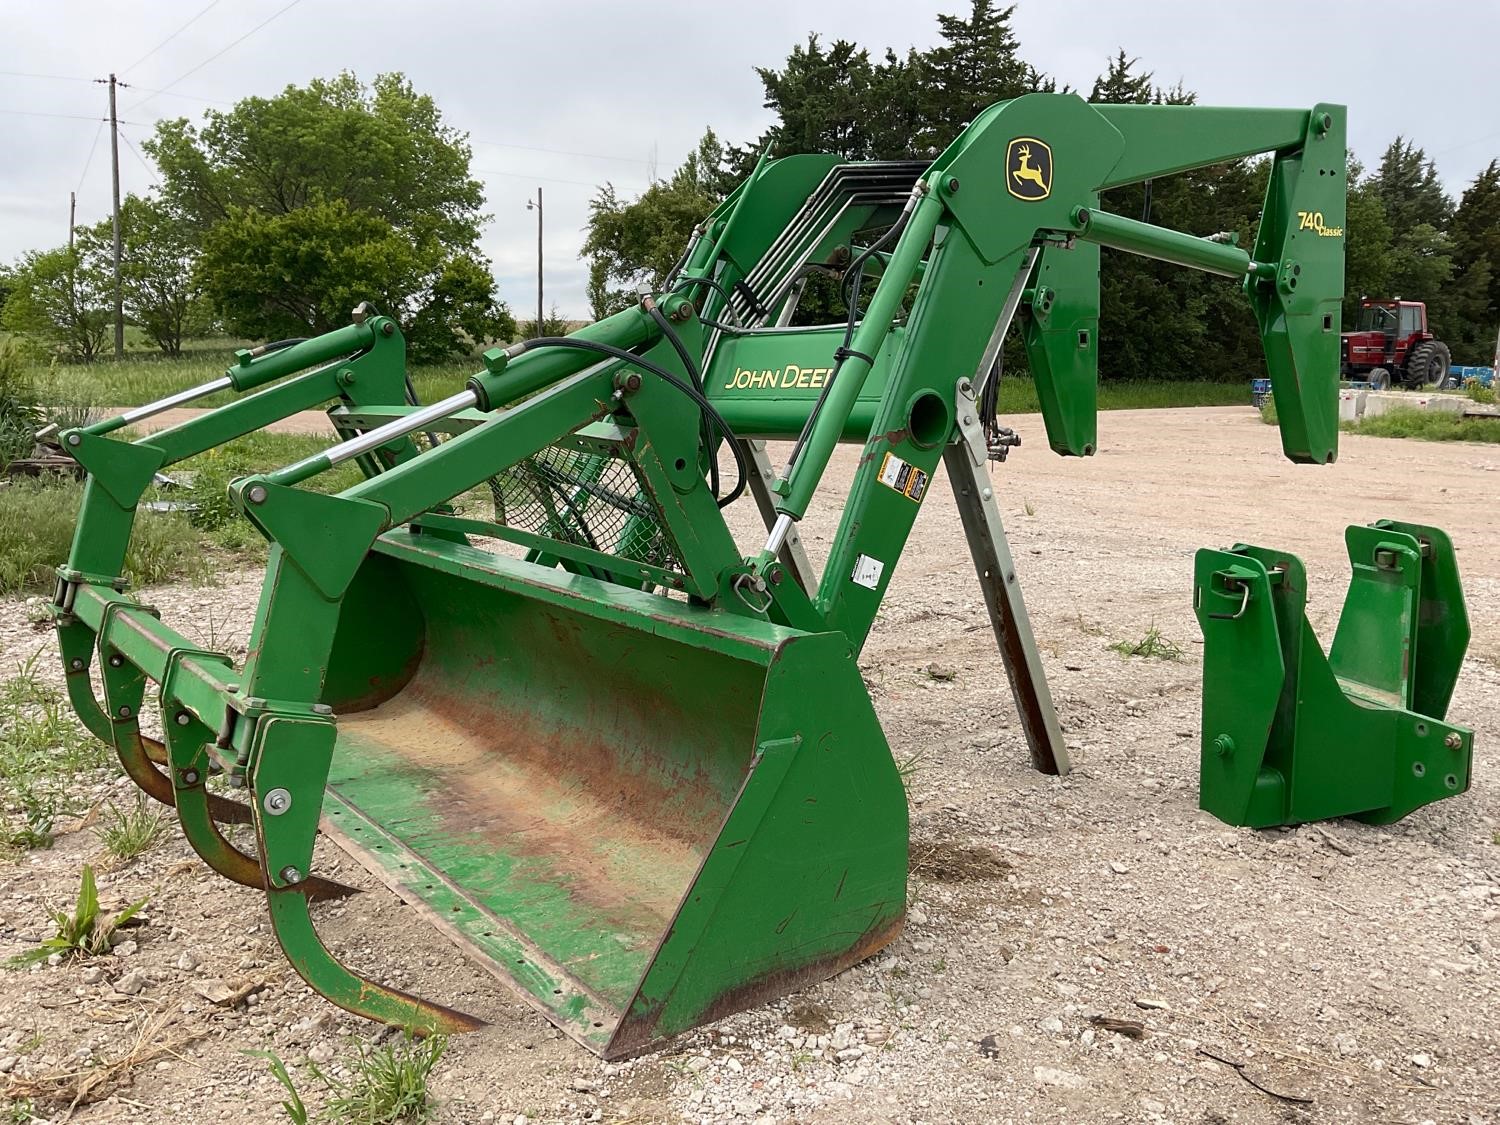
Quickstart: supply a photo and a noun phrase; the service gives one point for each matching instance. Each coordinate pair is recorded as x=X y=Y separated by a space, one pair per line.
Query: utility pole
x=72 y=217
x=537 y=207
x=114 y=151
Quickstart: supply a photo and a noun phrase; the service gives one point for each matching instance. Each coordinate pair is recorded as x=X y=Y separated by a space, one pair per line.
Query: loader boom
x=524 y=670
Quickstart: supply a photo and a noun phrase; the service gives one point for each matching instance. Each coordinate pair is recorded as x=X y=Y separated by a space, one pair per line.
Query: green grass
x=1153 y=645
x=1427 y=425
x=1018 y=395
x=42 y=749
x=36 y=529
x=144 y=378
x=37 y=517
x=376 y=1085
x=83 y=933
x=132 y=831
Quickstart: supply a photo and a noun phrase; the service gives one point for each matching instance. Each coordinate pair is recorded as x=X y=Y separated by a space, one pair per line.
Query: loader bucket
x=638 y=813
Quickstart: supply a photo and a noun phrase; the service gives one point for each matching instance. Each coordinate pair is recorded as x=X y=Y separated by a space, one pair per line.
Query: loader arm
x=524 y=670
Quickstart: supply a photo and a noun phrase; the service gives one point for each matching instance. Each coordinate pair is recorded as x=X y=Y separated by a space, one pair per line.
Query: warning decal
x=906 y=479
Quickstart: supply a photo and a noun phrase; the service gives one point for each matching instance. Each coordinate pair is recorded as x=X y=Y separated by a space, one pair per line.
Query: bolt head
x=1223 y=746
x=182 y=718
x=1453 y=740
x=953 y=183
x=116 y=660
x=290 y=874
x=124 y=712
x=277 y=801
x=76 y=664
x=257 y=494
x=190 y=777
x=75 y=439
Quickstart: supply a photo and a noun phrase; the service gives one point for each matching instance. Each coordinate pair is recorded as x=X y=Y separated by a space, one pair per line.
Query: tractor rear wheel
x=1428 y=363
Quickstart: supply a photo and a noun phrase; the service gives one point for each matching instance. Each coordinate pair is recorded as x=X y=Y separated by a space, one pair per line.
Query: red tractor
x=1391 y=344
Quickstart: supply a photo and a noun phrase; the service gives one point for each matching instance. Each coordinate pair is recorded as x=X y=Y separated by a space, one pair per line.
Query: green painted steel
x=636 y=772
x=1290 y=735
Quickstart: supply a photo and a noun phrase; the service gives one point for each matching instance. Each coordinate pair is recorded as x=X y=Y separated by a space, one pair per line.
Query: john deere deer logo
x=1028 y=169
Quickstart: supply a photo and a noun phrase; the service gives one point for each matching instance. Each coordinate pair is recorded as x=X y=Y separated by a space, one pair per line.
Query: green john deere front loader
x=524 y=671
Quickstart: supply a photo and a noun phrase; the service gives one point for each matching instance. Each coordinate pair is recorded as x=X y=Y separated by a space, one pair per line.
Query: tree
x=157 y=286
x=1159 y=321
x=977 y=65
x=325 y=195
x=382 y=150
x=1367 y=242
x=553 y=324
x=60 y=298
x=301 y=273
x=1117 y=85
x=1409 y=189
x=630 y=243
x=822 y=101
x=1475 y=297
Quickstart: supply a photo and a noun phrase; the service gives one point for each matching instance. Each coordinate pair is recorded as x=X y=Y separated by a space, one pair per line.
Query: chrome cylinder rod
x=161 y=405
x=371 y=440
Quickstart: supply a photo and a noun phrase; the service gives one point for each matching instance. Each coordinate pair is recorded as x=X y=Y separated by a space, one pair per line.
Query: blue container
x=1260 y=390
x=1485 y=375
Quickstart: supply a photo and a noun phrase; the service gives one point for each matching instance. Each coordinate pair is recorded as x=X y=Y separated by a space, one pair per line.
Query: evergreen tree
x=1475 y=297
x=822 y=100
x=1119 y=86
x=1367 y=243
x=977 y=65
x=1410 y=190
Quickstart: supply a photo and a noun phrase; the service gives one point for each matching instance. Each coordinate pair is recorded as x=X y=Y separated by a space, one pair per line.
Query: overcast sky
x=621 y=90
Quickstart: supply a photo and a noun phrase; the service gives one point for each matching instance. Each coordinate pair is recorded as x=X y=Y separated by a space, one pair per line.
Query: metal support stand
x=967 y=461
x=793 y=554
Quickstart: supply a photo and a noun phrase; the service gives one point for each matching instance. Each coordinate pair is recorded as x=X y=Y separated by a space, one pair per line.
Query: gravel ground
x=1336 y=972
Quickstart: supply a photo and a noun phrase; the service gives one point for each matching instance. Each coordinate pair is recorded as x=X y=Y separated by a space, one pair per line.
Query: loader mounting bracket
x=1291 y=735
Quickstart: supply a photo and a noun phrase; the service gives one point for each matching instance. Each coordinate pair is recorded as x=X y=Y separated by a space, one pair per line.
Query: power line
x=88 y=160
x=150 y=171
x=49 y=77
x=214 y=4
x=217 y=54
x=530 y=176
x=62 y=116
x=174 y=94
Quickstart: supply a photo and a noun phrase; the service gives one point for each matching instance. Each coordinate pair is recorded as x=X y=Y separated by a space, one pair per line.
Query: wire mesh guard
x=589 y=499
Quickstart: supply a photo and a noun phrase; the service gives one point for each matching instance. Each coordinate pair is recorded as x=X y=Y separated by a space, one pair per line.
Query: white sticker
x=867 y=571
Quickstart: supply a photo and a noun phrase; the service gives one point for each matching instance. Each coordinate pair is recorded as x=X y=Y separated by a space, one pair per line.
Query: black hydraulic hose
x=715 y=286
x=661 y=373
x=696 y=374
x=849 y=288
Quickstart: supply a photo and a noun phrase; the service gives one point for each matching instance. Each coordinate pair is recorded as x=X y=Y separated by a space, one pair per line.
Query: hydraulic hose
x=848 y=288
x=662 y=373
x=696 y=373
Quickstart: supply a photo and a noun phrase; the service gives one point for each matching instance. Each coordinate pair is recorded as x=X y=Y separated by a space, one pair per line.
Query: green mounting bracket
x=1291 y=735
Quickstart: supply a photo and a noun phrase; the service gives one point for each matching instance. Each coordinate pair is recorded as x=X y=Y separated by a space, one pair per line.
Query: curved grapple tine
x=329 y=977
x=196 y=813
